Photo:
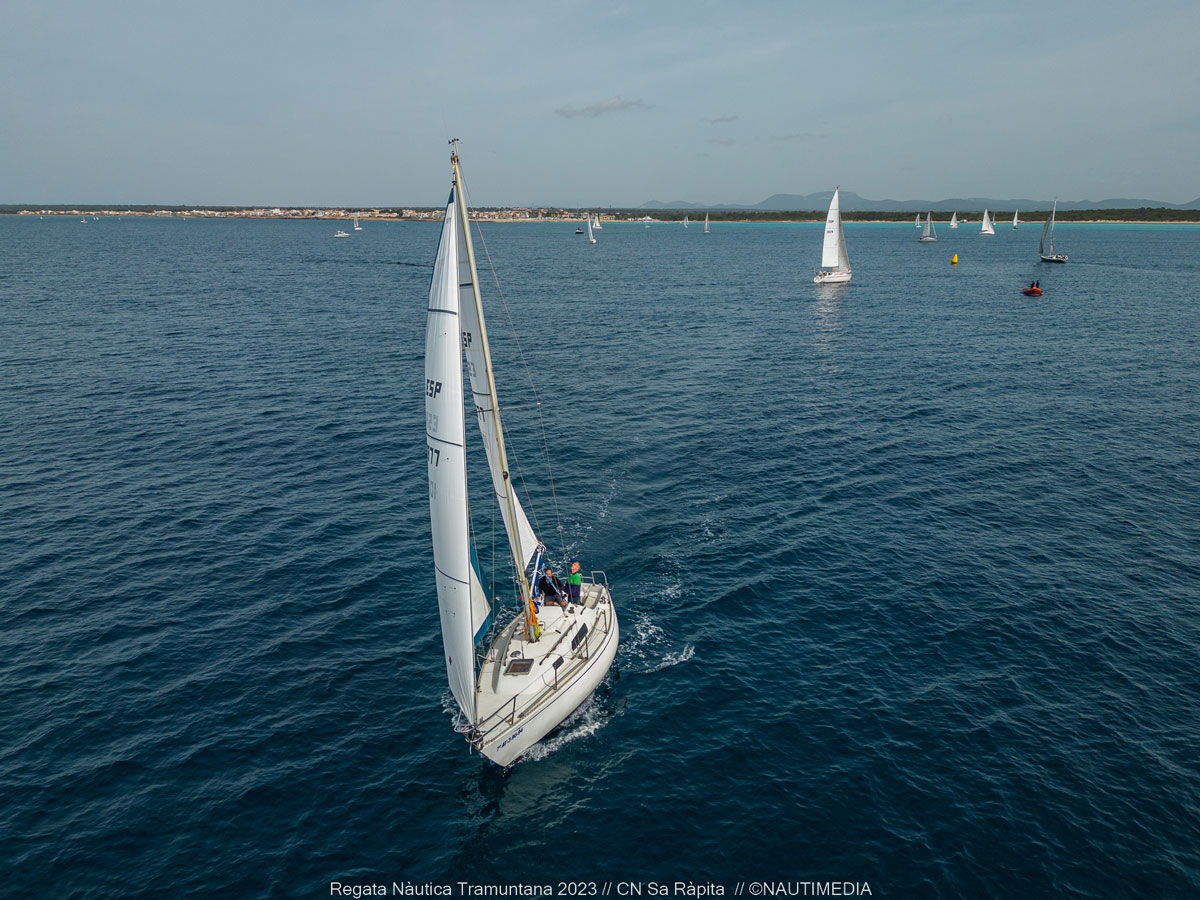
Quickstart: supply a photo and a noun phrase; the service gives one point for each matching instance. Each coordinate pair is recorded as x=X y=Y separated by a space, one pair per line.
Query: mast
x=513 y=544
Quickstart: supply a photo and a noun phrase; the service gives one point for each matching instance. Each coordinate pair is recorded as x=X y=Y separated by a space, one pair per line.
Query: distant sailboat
x=918 y=222
x=1014 y=218
x=954 y=220
x=598 y=226
x=357 y=227
x=929 y=235
x=341 y=234
x=706 y=231
x=591 y=238
x=987 y=224
x=835 y=262
x=1046 y=244
x=685 y=220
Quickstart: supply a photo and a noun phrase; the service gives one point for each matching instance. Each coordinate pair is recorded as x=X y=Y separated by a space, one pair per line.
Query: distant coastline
x=1149 y=215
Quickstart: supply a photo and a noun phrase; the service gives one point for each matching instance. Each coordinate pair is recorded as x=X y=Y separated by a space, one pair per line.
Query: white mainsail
x=591 y=237
x=930 y=233
x=1046 y=247
x=954 y=220
x=987 y=224
x=685 y=220
x=1046 y=244
x=833 y=250
x=835 y=261
x=918 y=222
x=706 y=223
x=1014 y=218
x=462 y=602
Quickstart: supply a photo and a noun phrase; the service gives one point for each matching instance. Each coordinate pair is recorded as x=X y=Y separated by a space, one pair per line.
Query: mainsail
x=454 y=327
x=833 y=250
x=462 y=602
x=1046 y=247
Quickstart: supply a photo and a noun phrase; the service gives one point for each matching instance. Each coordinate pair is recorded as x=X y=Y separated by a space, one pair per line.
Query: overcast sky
x=596 y=103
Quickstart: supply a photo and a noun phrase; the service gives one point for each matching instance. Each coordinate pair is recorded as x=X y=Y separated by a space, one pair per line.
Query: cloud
x=613 y=104
x=723 y=142
x=720 y=120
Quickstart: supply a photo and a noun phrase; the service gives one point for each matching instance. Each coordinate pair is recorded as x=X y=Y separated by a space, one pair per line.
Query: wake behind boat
x=516 y=685
x=835 y=262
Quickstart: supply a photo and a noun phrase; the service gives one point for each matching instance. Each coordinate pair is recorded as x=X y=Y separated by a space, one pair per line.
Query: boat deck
x=519 y=676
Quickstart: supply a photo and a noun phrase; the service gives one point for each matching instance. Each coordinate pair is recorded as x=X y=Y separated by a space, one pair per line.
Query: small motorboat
x=1032 y=291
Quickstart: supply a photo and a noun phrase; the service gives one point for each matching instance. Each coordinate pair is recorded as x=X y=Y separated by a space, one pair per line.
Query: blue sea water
x=908 y=571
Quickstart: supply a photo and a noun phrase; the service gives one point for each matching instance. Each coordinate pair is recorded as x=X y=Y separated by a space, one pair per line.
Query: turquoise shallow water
x=907 y=571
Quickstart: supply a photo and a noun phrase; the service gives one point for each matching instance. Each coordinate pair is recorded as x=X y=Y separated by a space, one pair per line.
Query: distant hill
x=852 y=202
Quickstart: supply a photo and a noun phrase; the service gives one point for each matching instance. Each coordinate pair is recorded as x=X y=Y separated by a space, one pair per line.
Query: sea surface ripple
x=908 y=571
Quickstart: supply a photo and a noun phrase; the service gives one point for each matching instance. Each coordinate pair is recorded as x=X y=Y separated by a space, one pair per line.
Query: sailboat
x=591 y=237
x=835 y=262
x=685 y=220
x=987 y=224
x=1046 y=247
x=518 y=683
x=341 y=234
x=1014 y=218
x=357 y=227
x=930 y=233
x=918 y=222
x=954 y=220
x=598 y=226
x=706 y=231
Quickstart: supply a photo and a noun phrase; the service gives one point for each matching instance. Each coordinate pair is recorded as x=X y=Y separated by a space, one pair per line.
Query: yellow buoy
x=954 y=260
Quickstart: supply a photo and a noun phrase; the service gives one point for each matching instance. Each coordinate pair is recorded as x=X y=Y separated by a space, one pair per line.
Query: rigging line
x=528 y=501
x=524 y=363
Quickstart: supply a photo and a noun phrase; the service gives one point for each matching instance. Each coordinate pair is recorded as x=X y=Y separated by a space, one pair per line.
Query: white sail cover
x=461 y=599
x=485 y=415
x=833 y=250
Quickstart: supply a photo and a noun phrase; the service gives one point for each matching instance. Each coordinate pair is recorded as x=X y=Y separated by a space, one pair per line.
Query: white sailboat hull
x=517 y=711
x=831 y=277
x=1057 y=258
